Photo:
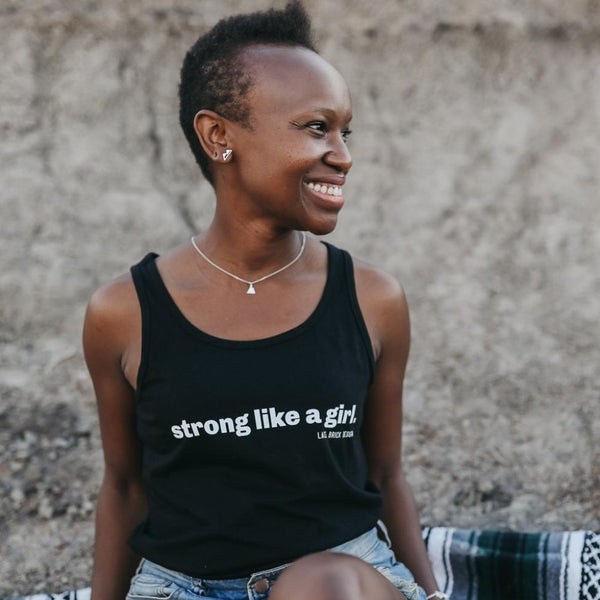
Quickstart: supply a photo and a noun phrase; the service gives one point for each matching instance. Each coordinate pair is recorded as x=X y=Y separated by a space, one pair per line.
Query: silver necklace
x=251 y=284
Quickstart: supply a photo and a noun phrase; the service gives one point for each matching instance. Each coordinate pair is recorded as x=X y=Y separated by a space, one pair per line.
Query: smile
x=325 y=188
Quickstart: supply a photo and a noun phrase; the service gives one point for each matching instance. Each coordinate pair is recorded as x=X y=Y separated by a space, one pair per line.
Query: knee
x=321 y=576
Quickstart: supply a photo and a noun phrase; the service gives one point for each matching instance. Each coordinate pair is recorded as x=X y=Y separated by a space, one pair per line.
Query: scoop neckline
x=232 y=343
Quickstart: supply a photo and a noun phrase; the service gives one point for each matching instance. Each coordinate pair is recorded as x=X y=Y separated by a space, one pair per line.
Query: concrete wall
x=476 y=146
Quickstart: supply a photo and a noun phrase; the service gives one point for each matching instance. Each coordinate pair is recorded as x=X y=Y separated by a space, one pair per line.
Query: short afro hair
x=212 y=76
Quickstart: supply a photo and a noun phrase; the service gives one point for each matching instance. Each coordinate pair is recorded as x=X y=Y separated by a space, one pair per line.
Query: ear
x=211 y=129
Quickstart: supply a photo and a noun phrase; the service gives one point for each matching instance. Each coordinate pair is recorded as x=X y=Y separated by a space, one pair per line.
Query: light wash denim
x=153 y=582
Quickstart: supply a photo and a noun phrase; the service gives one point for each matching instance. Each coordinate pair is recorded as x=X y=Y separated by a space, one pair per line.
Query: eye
x=346 y=134
x=317 y=126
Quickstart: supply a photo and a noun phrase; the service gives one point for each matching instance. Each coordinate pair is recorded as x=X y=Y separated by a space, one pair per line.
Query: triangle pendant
x=250 y=289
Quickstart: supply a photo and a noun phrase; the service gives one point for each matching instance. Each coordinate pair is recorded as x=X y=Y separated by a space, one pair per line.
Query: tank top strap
x=144 y=275
x=341 y=270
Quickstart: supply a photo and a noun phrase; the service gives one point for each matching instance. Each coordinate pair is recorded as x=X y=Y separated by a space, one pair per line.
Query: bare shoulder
x=114 y=300
x=383 y=304
x=376 y=285
x=113 y=315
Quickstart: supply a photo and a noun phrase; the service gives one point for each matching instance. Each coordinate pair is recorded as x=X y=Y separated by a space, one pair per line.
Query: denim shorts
x=153 y=582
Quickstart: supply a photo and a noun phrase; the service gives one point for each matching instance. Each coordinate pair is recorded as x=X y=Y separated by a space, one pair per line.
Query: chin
x=322 y=227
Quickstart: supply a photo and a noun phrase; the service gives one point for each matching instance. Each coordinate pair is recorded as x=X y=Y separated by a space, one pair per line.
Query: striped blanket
x=493 y=565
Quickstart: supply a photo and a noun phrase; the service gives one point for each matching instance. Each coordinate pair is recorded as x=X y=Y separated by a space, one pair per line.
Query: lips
x=326 y=194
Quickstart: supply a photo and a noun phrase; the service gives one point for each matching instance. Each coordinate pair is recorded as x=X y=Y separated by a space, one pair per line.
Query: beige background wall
x=476 y=145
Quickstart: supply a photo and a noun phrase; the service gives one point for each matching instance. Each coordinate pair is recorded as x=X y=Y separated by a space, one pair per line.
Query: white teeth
x=332 y=190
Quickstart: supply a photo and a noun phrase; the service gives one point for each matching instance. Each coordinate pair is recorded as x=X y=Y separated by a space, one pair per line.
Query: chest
x=301 y=386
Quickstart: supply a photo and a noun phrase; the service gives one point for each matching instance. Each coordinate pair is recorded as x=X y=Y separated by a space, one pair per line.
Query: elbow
x=124 y=500
x=123 y=485
x=386 y=476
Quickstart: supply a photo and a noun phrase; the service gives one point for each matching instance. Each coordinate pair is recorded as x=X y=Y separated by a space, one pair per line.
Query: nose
x=339 y=155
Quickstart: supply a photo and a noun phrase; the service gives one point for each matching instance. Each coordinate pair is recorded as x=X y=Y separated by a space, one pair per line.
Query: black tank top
x=252 y=455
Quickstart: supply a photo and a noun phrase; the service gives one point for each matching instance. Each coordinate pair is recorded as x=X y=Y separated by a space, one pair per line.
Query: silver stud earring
x=227 y=154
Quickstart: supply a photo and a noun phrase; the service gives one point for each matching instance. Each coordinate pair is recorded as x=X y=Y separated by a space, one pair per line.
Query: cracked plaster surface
x=476 y=150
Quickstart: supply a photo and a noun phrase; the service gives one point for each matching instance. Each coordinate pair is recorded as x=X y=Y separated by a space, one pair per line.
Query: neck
x=248 y=249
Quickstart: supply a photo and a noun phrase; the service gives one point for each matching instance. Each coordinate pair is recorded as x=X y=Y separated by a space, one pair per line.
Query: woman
x=249 y=381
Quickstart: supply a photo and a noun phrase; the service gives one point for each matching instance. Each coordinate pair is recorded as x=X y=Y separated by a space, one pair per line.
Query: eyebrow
x=328 y=111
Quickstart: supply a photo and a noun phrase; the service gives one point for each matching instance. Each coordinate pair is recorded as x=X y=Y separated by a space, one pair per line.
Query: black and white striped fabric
x=494 y=565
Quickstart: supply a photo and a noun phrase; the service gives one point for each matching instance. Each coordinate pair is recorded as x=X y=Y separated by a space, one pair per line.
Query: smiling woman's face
x=291 y=164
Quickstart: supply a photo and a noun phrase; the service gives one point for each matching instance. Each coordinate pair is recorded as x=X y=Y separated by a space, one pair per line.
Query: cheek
x=287 y=169
x=282 y=161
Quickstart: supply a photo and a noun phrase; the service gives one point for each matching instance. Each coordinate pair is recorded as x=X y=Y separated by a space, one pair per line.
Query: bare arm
x=110 y=322
x=386 y=312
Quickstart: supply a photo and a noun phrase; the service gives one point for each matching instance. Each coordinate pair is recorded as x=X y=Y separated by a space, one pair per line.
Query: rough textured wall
x=476 y=145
